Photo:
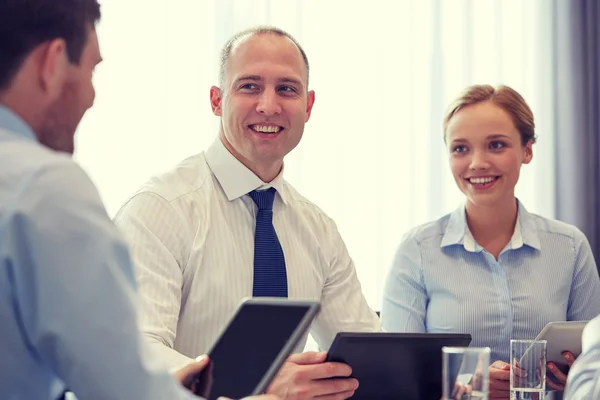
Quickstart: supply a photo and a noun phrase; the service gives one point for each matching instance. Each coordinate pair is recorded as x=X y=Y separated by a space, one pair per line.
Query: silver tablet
x=562 y=336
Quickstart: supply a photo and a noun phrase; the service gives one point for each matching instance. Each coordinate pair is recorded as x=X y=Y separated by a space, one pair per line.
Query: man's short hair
x=258 y=30
x=25 y=24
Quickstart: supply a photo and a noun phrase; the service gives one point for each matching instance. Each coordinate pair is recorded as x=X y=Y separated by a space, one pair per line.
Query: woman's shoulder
x=556 y=227
x=430 y=230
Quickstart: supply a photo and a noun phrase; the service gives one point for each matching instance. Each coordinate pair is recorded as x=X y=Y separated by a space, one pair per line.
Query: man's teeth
x=266 y=128
x=481 y=180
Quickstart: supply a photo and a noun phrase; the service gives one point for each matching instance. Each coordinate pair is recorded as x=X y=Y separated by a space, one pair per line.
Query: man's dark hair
x=258 y=30
x=25 y=24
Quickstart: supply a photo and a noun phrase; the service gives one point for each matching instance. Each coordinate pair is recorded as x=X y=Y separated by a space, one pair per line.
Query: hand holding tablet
x=561 y=337
x=252 y=348
x=563 y=347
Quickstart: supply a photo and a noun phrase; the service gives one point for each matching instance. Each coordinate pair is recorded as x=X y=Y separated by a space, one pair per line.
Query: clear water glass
x=527 y=369
x=465 y=373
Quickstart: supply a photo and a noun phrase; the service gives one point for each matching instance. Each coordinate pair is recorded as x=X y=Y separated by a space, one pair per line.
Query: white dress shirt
x=191 y=232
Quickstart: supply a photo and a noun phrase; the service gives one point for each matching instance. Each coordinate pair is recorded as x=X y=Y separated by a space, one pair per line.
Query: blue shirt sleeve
x=404 y=306
x=584 y=377
x=75 y=294
x=584 y=298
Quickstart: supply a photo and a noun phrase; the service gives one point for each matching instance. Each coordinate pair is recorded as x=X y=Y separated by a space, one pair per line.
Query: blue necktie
x=270 y=277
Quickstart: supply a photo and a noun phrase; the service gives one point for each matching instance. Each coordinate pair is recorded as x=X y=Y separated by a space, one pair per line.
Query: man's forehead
x=261 y=38
x=267 y=49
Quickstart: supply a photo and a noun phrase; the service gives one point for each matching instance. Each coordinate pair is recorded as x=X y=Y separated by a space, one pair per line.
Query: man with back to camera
x=224 y=224
x=67 y=295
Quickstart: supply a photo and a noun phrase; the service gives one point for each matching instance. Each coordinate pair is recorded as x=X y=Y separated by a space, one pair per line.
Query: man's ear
x=53 y=66
x=310 y=101
x=215 y=100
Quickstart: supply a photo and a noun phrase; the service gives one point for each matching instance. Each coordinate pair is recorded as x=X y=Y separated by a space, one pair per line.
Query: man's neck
x=19 y=106
x=267 y=172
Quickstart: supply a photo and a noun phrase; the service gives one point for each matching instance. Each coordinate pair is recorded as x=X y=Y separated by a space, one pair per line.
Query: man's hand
x=263 y=397
x=188 y=375
x=460 y=389
x=499 y=380
x=558 y=374
x=304 y=376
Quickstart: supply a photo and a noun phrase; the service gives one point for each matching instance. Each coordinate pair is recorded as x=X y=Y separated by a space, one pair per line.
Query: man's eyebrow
x=291 y=80
x=249 y=78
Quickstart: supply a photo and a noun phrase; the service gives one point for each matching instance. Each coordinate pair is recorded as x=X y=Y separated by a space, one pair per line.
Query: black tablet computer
x=404 y=366
x=257 y=341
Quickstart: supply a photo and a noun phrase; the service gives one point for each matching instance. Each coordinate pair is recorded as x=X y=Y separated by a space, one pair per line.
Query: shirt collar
x=11 y=122
x=458 y=233
x=529 y=232
x=234 y=177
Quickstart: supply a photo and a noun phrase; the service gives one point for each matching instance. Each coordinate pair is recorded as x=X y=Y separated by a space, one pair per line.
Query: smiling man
x=224 y=224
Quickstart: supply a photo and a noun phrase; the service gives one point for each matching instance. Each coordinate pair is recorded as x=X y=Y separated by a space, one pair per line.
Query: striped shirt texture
x=443 y=281
x=191 y=234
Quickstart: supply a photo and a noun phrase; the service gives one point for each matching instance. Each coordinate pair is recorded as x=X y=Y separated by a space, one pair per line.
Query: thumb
x=500 y=365
x=310 y=357
x=192 y=368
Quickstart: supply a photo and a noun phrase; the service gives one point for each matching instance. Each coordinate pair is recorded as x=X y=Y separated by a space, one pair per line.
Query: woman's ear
x=528 y=152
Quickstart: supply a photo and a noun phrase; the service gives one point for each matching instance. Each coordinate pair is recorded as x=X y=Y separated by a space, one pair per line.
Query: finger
x=309 y=357
x=457 y=391
x=569 y=357
x=205 y=385
x=324 y=370
x=329 y=387
x=192 y=368
x=338 y=396
x=468 y=389
x=500 y=365
x=461 y=391
x=557 y=373
x=499 y=386
x=261 y=397
x=499 y=375
x=520 y=372
x=554 y=386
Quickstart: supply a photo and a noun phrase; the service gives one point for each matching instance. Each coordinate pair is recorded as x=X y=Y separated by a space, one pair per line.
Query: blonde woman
x=491 y=268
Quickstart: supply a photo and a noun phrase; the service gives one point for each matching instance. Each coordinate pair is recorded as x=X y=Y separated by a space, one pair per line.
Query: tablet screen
x=405 y=366
x=262 y=333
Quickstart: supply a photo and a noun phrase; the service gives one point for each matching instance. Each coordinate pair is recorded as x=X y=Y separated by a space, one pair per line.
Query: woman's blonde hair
x=504 y=97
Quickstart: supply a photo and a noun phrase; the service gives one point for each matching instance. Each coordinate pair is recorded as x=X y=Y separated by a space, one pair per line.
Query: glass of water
x=465 y=373
x=527 y=369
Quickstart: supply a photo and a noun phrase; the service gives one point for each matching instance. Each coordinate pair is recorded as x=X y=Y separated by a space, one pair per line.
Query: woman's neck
x=492 y=225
